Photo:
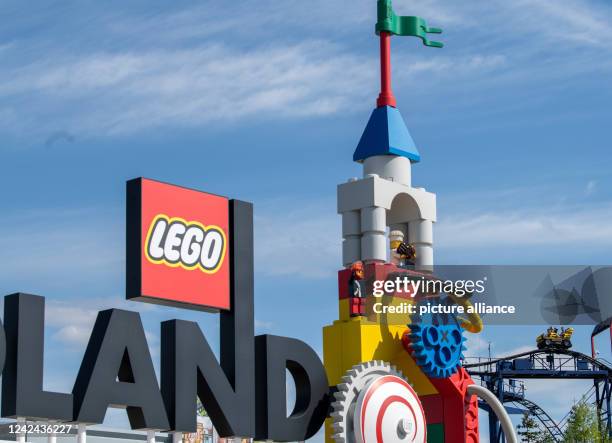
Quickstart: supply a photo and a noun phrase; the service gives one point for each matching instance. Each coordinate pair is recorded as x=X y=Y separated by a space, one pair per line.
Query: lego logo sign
x=191 y=245
x=177 y=246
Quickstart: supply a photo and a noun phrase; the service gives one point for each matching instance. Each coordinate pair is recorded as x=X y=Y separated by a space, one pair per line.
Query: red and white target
x=389 y=410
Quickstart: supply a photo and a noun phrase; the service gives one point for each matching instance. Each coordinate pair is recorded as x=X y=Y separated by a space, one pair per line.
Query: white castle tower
x=384 y=197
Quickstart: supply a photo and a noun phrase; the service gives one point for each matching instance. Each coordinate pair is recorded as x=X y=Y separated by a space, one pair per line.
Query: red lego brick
x=471 y=419
x=433 y=405
x=460 y=417
x=344 y=276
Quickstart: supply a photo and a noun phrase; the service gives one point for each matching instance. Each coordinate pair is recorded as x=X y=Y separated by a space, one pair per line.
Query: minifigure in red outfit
x=357 y=294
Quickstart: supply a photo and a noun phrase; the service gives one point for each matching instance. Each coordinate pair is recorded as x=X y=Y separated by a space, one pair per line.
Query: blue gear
x=437 y=349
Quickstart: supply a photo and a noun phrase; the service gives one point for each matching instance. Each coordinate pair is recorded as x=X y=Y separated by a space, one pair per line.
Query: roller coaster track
x=516 y=395
x=604 y=361
x=551 y=426
x=551 y=363
x=587 y=397
x=599 y=368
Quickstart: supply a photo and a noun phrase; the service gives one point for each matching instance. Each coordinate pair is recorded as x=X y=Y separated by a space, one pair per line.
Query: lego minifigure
x=402 y=254
x=357 y=290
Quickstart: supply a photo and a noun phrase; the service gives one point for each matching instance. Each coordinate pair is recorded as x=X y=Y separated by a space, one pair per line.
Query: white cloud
x=444 y=66
x=41 y=245
x=575 y=21
x=541 y=22
x=74 y=319
x=73 y=335
x=72 y=313
x=577 y=225
x=249 y=18
x=261 y=325
x=183 y=75
x=477 y=346
x=115 y=93
x=305 y=242
x=591 y=187
x=111 y=93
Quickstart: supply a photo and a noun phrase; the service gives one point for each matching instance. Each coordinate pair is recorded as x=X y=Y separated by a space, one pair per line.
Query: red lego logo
x=177 y=246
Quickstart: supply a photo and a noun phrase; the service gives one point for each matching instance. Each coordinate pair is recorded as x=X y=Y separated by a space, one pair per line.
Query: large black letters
x=188 y=365
x=274 y=355
x=22 y=380
x=117 y=371
x=2 y=347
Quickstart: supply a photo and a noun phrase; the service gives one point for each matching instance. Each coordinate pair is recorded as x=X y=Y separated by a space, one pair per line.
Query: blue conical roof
x=386 y=134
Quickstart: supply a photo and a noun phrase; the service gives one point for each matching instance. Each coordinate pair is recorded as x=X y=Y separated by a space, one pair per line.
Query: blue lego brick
x=386 y=134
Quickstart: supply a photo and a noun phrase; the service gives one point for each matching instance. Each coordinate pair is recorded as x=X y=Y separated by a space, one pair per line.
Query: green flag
x=404 y=25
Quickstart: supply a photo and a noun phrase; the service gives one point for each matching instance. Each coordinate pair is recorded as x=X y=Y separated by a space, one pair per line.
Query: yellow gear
x=473 y=322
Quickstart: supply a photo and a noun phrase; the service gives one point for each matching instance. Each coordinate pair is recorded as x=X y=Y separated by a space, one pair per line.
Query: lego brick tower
x=383 y=200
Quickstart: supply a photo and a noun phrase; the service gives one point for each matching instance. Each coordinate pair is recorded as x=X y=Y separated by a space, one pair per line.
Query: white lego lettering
x=155 y=250
x=176 y=242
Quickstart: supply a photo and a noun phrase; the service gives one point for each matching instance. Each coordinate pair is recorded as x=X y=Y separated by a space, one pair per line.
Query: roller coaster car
x=555 y=339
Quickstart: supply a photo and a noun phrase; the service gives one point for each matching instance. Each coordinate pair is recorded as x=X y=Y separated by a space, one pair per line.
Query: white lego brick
x=424 y=257
x=351 y=223
x=373 y=247
x=391 y=167
x=375 y=191
x=420 y=231
x=354 y=195
x=351 y=250
x=373 y=219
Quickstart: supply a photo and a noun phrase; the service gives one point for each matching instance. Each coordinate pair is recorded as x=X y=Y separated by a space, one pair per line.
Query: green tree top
x=582 y=425
x=528 y=429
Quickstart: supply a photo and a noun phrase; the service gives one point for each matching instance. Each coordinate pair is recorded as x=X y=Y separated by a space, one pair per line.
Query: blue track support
x=608 y=411
x=544 y=364
x=493 y=422
x=500 y=394
x=603 y=393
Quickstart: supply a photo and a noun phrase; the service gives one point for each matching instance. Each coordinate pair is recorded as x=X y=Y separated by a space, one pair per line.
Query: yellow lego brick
x=332 y=353
x=343 y=310
x=346 y=344
x=352 y=340
x=419 y=381
x=329 y=431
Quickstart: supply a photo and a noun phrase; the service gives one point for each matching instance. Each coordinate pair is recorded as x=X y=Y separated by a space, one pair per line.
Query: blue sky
x=265 y=101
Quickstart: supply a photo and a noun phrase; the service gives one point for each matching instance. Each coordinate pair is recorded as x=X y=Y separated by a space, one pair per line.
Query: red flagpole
x=386 y=97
